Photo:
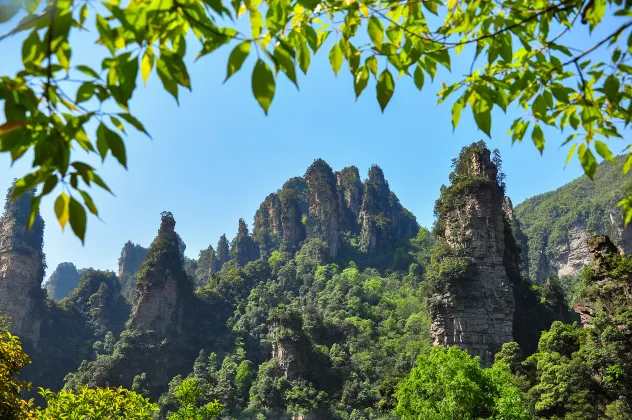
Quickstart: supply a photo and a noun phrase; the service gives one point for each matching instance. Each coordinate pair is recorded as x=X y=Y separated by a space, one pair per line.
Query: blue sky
x=214 y=158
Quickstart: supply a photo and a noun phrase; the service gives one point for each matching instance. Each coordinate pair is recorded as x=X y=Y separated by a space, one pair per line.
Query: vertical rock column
x=473 y=309
x=21 y=268
x=323 y=217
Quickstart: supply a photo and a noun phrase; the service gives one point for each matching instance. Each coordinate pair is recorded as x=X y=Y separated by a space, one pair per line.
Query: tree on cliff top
x=523 y=57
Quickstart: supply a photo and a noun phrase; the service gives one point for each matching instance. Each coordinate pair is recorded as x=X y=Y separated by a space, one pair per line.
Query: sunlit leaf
x=385 y=88
x=263 y=85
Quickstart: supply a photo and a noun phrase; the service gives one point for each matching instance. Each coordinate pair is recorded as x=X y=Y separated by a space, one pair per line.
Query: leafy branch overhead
x=523 y=57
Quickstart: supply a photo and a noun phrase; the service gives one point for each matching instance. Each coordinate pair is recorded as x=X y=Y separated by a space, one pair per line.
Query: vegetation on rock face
x=63 y=281
x=525 y=56
x=585 y=204
x=296 y=333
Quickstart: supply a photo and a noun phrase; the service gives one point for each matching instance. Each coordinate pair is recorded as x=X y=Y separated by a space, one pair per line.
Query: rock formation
x=384 y=220
x=291 y=221
x=268 y=230
x=472 y=305
x=323 y=218
x=558 y=224
x=350 y=191
x=244 y=248
x=99 y=300
x=223 y=254
x=22 y=268
x=63 y=281
x=132 y=256
x=163 y=288
x=289 y=343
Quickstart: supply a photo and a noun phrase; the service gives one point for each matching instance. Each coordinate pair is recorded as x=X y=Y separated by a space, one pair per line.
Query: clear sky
x=214 y=158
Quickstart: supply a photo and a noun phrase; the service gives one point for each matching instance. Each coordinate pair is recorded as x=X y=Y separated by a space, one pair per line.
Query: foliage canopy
x=57 y=107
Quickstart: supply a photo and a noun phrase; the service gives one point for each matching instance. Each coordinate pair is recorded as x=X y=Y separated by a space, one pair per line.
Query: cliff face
x=162 y=286
x=63 y=281
x=323 y=218
x=132 y=256
x=384 y=220
x=21 y=268
x=268 y=229
x=350 y=191
x=244 y=247
x=98 y=299
x=289 y=344
x=223 y=255
x=291 y=220
x=472 y=305
x=558 y=224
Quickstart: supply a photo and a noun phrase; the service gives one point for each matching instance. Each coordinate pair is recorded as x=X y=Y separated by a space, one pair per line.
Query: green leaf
x=587 y=159
x=89 y=203
x=49 y=185
x=134 y=122
x=62 y=209
x=571 y=152
x=88 y=71
x=604 y=151
x=263 y=85
x=303 y=56
x=63 y=54
x=31 y=5
x=371 y=64
x=275 y=17
x=25 y=184
x=110 y=140
x=147 y=63
x=237 y=58
x=360 y=80
x=376 y=32
x=285 y=63
x=166 y=78
x=32 y=51
x=418 y=77
x=482 y=115
x=611 y=88
x=35 y=205
x=77 y=219
x=256 y=23
x=628 y=164
x=594 y=12
x=385 y=88
x=456 y=113
x=335 y=58
x=538 y=138
x=8 y=10
x=85 y=92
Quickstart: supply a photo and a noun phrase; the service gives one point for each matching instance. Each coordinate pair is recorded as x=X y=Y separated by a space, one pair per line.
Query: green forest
x=337 y=306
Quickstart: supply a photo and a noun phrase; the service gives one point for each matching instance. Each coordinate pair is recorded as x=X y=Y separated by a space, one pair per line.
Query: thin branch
x=597 y=45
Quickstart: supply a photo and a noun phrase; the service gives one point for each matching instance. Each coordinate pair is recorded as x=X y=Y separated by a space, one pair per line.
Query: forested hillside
x=338 y=305
x=556 y=225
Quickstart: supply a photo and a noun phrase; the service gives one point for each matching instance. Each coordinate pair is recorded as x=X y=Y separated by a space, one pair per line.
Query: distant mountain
x=556 y=225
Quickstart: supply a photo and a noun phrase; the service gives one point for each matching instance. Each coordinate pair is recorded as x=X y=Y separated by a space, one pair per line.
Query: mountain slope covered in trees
x=330 y=307
x=554 y=226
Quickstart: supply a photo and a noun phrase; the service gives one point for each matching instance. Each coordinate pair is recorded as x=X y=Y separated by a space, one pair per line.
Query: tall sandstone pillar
x=21 y=268
x=472 y=306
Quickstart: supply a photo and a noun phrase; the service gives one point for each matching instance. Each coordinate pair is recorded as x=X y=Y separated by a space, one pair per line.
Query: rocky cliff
x=350 y=191
x=291 y=220
x=323 y=216
x=558 y=224
x=163 y=287
x=132 y=257
x=244 y=248
x=268 y=229
x=289 y=344
x=472 y=302
x=22 y=268
x=63 y=281
x=384 y=220
x=223 y=253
